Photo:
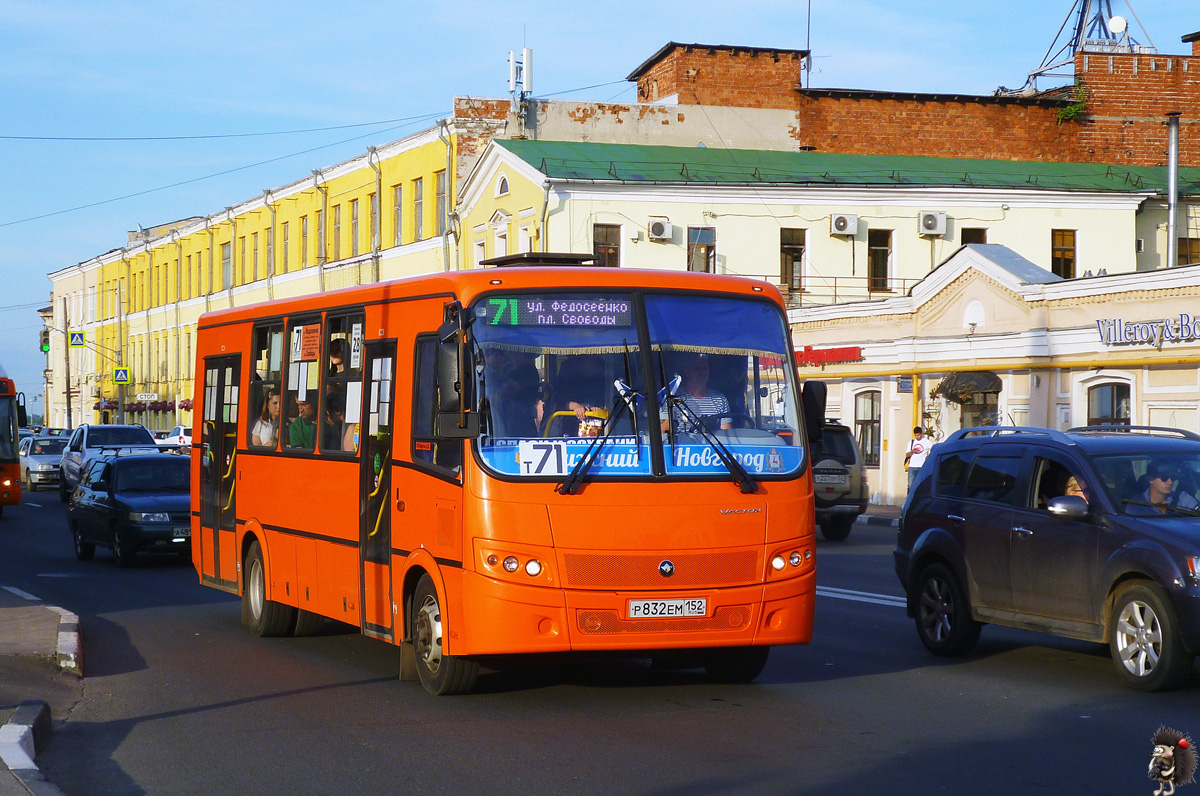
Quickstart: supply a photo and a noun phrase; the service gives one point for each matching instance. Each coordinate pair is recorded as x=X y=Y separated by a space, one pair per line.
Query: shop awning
x=960 y=387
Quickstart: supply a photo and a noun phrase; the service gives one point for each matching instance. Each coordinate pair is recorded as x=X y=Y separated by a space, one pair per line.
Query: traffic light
x=45 y=340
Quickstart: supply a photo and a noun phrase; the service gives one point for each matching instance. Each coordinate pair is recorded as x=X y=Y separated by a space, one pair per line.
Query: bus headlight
x=795 y=558
x=533 y=568
x=777 y=563
x=511 y=564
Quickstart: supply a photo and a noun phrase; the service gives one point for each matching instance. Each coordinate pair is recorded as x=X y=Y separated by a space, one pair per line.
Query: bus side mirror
x=449 y=384
x=454 y=420
x=457 y=425
x=22 y=416
x=813 y=397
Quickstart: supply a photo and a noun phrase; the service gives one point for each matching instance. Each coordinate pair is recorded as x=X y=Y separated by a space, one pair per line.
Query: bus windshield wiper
x=571 y=483
x=1163 y=507
x=743 y=479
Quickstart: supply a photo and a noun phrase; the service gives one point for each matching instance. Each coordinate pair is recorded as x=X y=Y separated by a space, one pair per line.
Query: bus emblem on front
x=666 y=569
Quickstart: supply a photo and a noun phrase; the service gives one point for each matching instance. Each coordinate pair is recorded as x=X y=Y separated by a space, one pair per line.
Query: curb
x=27 y=731
x=884 y=522
x=69 y=650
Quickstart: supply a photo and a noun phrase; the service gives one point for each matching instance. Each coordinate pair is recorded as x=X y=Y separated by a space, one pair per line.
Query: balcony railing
x=816 y=290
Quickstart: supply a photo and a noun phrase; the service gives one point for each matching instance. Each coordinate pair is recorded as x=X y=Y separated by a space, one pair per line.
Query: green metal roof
x=632 y=163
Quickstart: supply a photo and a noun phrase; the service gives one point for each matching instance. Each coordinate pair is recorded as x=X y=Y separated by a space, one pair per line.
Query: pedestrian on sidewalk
x=918 y=451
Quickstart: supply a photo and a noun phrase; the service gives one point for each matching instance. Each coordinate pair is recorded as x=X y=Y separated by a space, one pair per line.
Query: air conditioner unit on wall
x=658 y=229
x=843 y=224
x=931 y=222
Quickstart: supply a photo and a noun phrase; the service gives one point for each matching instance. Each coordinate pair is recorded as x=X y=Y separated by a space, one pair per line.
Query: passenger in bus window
x=335 y=416
x=580 y=389
x=709 y=404
x=513 y=393
x=303 y=431
x=337 y=356
x=350 y=437
x=266 y=429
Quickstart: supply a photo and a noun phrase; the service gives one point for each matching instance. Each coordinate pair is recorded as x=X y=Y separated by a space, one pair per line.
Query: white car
x=178 y=437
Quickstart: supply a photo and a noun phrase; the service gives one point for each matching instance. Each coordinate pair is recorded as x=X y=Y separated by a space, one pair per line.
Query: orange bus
x=513 y=460
x=12 y=417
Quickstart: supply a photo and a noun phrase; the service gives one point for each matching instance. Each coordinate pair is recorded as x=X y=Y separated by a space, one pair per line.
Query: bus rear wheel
x=265 y=617
x=440 y=674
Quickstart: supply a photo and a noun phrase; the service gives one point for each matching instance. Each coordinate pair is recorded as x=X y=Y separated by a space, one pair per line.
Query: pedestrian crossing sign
x=120 y=375
x=77 y=339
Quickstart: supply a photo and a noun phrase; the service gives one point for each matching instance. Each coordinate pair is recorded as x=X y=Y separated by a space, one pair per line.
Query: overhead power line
x=205 y=137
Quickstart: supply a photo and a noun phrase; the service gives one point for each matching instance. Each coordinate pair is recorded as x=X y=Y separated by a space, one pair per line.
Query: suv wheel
x=63 y=491
x=837 y=528
x=943 y=614
x=1145 y=640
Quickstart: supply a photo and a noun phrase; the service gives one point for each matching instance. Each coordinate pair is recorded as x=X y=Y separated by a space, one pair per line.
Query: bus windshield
x=559 y=374
x=8 y=429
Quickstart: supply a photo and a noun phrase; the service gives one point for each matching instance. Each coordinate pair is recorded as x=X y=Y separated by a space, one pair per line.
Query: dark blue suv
x=1092 y=533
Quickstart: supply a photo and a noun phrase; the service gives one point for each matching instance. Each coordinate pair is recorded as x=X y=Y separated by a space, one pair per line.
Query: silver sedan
x=39 y=458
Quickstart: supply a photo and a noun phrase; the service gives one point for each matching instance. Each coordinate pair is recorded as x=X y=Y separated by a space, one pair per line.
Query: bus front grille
x=727 y=617
x=621 y=571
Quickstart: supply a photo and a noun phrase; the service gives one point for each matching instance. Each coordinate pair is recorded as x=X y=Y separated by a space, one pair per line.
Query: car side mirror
x=1068 y=507
x=100 y=486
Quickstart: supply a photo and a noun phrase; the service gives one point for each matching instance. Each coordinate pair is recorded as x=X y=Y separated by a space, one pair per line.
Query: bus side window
x=302 y=387
x=428 y=449
x=341 y=390
x=266 y=371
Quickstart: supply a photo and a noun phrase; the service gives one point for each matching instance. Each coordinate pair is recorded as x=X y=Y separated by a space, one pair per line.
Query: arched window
x=1108 y=404
x=502 y=186
x=867 y=427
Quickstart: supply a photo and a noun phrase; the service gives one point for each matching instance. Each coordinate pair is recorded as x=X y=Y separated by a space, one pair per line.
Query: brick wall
x=732 y=76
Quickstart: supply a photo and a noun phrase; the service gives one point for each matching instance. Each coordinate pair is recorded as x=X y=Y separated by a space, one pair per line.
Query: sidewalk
x=40 y=672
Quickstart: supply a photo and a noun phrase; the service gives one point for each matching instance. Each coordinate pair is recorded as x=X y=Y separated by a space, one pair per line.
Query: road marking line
x=24 y=595
x=862 y=597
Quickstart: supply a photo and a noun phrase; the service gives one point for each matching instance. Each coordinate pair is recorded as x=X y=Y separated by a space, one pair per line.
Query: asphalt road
x=180 y=699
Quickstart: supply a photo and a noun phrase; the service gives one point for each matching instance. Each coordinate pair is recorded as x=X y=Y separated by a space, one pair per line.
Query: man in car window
x=1161 y=489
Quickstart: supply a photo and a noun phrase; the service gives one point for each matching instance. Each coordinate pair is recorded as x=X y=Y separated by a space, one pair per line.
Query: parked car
x=1091 y=534
x=132 y=503
x=88 y=441
x=839 y=482
x=180 y=436
x=39 y=458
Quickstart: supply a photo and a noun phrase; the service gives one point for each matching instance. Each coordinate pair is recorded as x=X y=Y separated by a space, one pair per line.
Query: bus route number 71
x=542 y=457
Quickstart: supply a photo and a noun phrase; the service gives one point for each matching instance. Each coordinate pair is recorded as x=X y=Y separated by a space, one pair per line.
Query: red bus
x=513 y=460
x=12 y=417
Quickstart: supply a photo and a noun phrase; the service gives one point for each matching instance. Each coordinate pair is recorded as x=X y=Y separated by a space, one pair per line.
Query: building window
x=418 y=208
x=791 y=261
x=879 y=258
x=269 y=263
x=1189 y=251
x=254 y=260
x=525 y=239
x=284 y=229
x=337 y=233
x=353 y=227
x=439 y=187
x=702 y=249
x=501 y=242
x=304 y=241
x=243 y=259
x=867 y=426
x=227 y=264
x=1108 y=404
x=974 y=235
x=480 y=252
x=1062 y=252
x=606 y=244
x=397 y=214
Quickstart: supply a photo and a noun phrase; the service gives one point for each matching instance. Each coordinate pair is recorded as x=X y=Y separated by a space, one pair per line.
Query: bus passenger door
x=218 y=473
x=375 y=527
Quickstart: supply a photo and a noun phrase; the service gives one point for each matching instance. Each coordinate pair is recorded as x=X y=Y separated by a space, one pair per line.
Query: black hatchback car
x=1092 y=533
x=132 y=503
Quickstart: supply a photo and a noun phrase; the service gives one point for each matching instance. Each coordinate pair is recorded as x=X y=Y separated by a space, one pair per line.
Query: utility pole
x=67 y=354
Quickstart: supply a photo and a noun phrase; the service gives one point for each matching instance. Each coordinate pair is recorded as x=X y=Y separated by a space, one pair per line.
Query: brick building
x=1125 y=98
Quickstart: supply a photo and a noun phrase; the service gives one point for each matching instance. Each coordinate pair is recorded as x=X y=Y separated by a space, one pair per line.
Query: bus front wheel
x=265 y=617
x=736 y=664
x=440 y=674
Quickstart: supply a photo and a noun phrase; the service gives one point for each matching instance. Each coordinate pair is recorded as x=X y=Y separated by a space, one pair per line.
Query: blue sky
x=126 y=68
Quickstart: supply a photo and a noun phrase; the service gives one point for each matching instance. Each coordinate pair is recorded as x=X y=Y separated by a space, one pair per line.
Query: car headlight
x=45 y=467
x=149 y=516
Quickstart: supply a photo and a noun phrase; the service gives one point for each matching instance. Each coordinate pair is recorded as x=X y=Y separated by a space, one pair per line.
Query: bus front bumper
x=502 y=618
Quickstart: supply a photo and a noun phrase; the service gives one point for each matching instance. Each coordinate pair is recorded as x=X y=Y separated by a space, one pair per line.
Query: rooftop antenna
x=1090 y=27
